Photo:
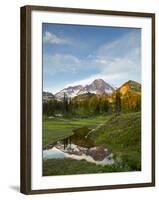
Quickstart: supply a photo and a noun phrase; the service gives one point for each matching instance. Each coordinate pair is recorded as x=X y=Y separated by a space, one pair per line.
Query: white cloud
x=115 y=62
x=60 y=63
x=121 y=46
x=113 y=70
x=90 y=79
x=119 y=65
x=54 y=39
x=121 y=57
x=104 y=60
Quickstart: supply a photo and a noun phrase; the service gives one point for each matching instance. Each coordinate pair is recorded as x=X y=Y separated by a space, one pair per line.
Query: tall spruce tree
x=117 y=102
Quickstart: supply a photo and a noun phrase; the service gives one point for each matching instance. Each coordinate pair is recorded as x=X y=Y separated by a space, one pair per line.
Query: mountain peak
x=48 y=96
x=99 y=80
x=132 y=82
x=70 y=91
x=130 y=85
x=98 y=86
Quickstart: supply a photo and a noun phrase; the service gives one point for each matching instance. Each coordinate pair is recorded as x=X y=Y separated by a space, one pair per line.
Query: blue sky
x=76 y=54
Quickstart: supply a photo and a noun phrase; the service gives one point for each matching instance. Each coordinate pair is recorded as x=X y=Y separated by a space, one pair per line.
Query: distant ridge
x=130 y=85
x=98 y=86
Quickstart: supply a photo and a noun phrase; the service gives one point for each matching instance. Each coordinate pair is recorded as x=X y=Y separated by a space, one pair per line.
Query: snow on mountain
x=69 y=92
x=48 y=96
x=98 y=86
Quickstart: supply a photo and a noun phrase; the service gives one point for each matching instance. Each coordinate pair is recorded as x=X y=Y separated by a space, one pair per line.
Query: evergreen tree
x=117 y=102
x=65 y=103
x=106 y=106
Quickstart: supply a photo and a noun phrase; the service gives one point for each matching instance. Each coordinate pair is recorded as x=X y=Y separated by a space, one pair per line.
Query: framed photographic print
x=87 y=99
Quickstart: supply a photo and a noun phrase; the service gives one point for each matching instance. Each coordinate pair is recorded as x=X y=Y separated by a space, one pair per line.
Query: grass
x=69 y=167
x=59 y=128
x=121 y=134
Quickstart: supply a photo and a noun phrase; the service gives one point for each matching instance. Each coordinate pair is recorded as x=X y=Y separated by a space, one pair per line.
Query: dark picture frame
x=26 y=107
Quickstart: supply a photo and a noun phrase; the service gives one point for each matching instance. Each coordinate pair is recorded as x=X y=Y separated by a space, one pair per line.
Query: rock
x=97 y=153
x=73 y=149
x=51 y=117
x=58 y=115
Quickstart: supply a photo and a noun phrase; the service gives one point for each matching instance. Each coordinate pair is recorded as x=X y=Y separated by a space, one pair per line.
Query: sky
x=79 y=54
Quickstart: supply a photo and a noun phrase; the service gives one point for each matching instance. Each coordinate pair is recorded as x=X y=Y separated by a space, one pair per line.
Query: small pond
x=96 y=155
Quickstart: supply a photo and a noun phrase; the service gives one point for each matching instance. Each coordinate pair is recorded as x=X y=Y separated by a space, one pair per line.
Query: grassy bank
x=69 y=167
x=121 y=134
x=59 y=128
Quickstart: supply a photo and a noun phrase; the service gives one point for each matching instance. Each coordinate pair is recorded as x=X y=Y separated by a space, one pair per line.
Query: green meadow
x=59 y=128
x=121 y=134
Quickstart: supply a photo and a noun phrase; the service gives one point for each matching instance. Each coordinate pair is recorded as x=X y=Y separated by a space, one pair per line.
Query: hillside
x=130 y=85
x=130 y=96
x=121 y=135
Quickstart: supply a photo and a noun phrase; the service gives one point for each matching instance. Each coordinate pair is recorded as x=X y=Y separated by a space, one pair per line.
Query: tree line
x=92 y=105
